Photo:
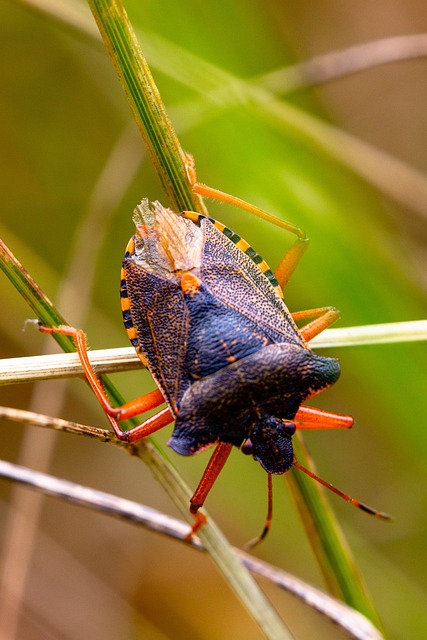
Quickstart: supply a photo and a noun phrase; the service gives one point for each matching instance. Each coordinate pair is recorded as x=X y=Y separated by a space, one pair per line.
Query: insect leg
x=290 y=261
x=128 y=410
x=311 y=418
x=215 y=464
x=292 y=257
x=324 y=317
x=146 y=428
x=140 y=405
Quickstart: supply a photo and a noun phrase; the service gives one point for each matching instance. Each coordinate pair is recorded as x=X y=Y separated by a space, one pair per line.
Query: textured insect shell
x=236 y=281
x=251 y=398
x=157 y=318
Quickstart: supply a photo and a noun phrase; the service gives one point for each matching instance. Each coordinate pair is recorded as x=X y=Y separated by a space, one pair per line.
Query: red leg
x=215 y=464
x=292 y=257
x=146 y=428
x=311 y=418
x=126 y=411
x=324 y=317
x=140 y=405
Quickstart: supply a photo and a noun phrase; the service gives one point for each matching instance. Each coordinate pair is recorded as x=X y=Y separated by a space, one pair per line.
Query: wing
x=154 y=311
x=234 y=279
x=158 y=314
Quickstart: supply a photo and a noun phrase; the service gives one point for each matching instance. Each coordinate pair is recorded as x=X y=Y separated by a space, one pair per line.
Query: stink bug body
x=217 y=338
x=206 y=316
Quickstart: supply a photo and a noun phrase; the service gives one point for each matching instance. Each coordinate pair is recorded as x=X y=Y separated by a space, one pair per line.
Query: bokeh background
x=73 y=165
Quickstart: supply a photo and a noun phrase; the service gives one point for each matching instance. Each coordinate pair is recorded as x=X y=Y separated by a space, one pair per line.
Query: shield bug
x=207 y=317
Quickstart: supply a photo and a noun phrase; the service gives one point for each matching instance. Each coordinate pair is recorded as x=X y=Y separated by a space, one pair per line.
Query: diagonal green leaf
x=147 y=107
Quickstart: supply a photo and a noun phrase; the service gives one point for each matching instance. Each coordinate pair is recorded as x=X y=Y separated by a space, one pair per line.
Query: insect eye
x=289 y=428
x=247 y=447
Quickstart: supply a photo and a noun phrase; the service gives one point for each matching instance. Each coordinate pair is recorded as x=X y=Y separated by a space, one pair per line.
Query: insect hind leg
x=291 y=258
x=126 y=411
x=323 y=318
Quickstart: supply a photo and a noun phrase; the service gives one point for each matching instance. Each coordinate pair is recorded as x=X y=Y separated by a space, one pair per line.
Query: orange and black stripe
x=241 y=244
x=124 y=299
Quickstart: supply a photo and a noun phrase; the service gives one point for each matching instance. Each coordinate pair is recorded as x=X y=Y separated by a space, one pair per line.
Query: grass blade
x=145 y=102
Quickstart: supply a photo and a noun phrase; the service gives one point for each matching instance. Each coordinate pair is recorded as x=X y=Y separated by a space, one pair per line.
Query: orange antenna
x=253 y=543
x=356 y=503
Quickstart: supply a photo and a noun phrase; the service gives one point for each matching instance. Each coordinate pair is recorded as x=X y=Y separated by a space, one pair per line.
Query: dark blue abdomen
x=217 y=335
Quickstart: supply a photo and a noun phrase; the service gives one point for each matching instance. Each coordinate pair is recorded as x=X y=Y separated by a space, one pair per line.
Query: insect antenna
x=356 y=503
x=253 y=543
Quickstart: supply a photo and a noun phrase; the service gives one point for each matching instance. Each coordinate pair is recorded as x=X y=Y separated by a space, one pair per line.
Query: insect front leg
x=312 y=418
x=291 y=258
x=126 y=411
x=210 y=474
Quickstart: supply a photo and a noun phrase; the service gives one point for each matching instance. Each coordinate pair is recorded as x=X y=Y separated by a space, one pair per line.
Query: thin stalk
x=351 y=621
x=147 y=107
x=327 y=539
x=67 y=365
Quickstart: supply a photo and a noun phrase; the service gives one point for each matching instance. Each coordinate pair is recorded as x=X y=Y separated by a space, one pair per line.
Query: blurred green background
x=64 y=123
